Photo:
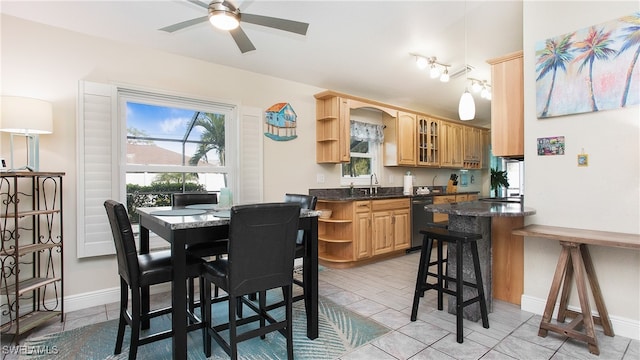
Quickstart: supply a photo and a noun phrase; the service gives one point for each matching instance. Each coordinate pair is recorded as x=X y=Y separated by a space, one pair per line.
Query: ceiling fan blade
x=276 y=23
x=242 y=40
x=185 y=24
x=199 y=3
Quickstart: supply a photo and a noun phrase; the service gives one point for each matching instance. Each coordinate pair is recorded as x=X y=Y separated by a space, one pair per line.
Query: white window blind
x=97 y=168
x=251 y=162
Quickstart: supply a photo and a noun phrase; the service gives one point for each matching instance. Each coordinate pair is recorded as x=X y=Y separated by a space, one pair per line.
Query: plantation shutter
x=98 y=178
x=250 y=152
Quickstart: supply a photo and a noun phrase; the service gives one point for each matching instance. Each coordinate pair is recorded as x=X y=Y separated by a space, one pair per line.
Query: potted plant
x=498 y=180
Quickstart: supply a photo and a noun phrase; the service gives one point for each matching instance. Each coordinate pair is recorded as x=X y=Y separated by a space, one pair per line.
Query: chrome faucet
x=373 y=175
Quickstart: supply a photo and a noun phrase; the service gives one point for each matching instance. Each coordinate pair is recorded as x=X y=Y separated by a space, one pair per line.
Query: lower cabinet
x=362 y=230
x=450 y=198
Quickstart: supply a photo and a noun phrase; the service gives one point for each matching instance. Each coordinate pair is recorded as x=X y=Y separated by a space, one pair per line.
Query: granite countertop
x=342 y=194
x=481 y=208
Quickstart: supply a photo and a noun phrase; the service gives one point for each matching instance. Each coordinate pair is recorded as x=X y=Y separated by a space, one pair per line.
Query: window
x=172 y=147
x=130 y=138
x=365 y=149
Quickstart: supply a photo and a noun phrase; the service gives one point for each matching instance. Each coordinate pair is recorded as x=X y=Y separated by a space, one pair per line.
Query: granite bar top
x=343 y=194
x=481 y=208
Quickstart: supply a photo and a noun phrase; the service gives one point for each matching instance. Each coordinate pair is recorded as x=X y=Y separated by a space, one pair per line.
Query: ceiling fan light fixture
x=223 y=17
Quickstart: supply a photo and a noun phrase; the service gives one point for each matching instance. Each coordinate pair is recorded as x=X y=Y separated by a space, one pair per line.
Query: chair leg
x=262 y=304
x=289 y=305
x=233 y=344
x=136 y=314
x=205 y=308
x=440 y=276
x=122 y=322
x=480 y=286
x=190 y=290
x=459 y=288
x=423 y=268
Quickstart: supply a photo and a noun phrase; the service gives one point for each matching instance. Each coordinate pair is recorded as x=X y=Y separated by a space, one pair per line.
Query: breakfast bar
x=476 y=217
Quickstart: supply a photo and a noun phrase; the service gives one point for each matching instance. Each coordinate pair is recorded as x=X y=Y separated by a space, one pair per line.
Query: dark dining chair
x=137 y=271
x=306 y=202
x=204 y=248
x=261 y=249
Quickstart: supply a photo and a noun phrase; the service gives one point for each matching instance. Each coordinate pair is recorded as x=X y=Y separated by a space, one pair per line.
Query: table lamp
x=26 y=117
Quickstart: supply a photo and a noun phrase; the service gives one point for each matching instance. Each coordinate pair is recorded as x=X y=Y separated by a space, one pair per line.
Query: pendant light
x=466 y=107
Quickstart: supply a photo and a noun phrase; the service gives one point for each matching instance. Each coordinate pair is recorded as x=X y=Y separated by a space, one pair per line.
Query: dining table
x=189 y=225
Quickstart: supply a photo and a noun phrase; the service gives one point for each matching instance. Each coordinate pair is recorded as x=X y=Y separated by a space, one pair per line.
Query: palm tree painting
x=592 y=69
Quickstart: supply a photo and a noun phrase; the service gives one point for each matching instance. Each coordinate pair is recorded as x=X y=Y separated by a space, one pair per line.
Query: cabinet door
x=382 y=239
x=363 y=234
x=401 y=229
x=450 y=145
x=443 y=199
x=428 y=143
x=507 y=105
x=406 y=138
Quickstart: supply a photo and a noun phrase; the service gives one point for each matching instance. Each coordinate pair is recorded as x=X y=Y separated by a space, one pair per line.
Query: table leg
x=144 y=290
x=311 y=279
x=597 y=293
x=179 y=296
x=553 y=292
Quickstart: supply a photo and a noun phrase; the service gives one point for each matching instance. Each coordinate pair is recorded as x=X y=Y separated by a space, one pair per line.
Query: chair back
x=126 y=251
x=261 y=246
x=306 y=202
x=192 y=198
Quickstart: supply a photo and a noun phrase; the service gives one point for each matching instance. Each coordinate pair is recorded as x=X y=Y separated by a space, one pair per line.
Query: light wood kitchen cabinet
x=472 y=158
x=428 y=141
x=391 y=225
x=400 y=140
x=507 y=105
x=447 y=199
x=362 y=233
x=450 y=145
x=361 y=230
x=333 y=137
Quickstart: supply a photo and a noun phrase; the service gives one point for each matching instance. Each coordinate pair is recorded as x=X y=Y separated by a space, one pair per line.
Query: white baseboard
x=100 y=297
x=628 y=328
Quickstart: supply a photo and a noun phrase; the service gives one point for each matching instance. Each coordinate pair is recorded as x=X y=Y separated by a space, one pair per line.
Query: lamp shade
x=23 y=115
x=466 y=107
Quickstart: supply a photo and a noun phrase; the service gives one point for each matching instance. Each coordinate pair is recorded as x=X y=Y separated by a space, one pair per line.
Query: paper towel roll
x=408 y=185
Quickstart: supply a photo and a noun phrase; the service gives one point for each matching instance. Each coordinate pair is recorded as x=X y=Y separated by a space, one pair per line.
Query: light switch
x=320 y=178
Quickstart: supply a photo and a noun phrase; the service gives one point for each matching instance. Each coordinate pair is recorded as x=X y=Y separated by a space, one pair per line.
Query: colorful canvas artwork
x=281 y=122
x=591 y=69
x=551 y=145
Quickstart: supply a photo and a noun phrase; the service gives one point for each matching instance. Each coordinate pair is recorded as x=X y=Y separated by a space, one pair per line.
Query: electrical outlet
x=391 y=179
x=320 y=178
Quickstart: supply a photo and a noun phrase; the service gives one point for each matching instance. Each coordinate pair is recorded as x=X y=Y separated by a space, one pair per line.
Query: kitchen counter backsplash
x=382 y=193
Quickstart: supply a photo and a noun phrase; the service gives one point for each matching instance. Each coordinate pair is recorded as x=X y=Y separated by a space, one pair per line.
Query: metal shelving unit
x=31 y=249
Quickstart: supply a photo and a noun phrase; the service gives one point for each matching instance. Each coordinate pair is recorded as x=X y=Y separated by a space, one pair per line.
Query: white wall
x=603 y=196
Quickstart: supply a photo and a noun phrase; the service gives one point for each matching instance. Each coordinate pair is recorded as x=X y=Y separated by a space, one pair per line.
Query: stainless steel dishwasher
x=419 y=220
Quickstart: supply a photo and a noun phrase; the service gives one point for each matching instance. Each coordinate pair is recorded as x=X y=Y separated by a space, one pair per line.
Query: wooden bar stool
x=457 y=239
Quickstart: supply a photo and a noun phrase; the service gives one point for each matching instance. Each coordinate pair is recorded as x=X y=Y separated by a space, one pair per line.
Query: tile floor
x=383 y=291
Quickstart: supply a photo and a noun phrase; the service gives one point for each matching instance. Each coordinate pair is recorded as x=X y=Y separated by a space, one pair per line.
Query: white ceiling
x=356 y=47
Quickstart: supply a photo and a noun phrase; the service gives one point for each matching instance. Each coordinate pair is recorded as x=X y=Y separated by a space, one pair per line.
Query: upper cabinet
x=400 y=140
x=428 y=141
x=507 y=105
x=332 y=129
x=451 y=144
x=410 y=139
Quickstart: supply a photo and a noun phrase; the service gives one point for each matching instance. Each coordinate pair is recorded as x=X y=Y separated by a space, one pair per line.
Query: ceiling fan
x=226 y=16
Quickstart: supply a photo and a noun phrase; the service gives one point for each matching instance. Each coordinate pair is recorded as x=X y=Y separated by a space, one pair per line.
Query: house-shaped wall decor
x=281 y=122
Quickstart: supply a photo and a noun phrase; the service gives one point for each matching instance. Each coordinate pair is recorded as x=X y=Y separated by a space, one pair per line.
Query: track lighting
x=436 y=68
x=481 y=86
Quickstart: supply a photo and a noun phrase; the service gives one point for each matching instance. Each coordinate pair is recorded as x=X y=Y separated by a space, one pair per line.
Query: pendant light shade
x=467 y=107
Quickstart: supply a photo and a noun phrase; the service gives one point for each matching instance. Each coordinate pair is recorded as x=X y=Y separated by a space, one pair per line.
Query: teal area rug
x=340 y=331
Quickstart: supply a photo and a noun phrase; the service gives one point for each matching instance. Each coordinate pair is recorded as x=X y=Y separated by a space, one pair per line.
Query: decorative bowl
x=325 y=213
